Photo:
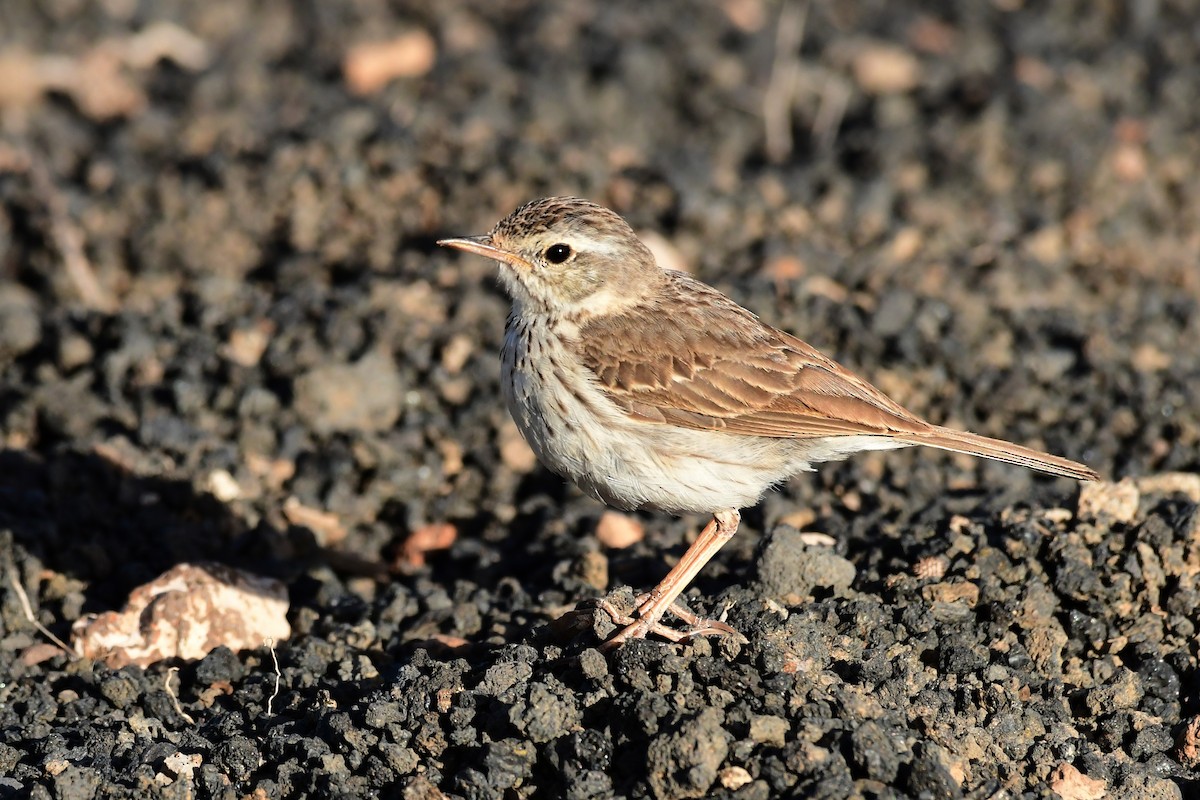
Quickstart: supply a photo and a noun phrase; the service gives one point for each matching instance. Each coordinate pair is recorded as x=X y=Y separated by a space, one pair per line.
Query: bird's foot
x=649 y=622
x=635 y=628
x=698 y=625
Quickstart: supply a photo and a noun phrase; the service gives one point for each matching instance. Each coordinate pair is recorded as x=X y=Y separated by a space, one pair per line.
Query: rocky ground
x=227 y=335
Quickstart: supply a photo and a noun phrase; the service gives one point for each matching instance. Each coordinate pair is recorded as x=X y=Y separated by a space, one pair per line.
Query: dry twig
x=174 y=699
x=28 y=609
x=781 y=87
x=68 y=238
x=270 y=644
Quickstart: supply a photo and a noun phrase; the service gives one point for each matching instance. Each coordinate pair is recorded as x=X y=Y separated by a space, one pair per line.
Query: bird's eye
x=558 y=253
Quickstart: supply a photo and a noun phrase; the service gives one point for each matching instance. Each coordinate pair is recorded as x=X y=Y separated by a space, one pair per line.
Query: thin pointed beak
x=482 y=246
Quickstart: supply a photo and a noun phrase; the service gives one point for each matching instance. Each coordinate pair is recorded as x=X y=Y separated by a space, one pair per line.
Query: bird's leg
x=661 y=598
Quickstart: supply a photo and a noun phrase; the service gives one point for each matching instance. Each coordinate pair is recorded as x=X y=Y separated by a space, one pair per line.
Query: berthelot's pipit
x=650 y=389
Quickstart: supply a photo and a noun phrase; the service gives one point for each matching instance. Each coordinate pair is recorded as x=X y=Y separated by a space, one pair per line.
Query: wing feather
x=709 y=364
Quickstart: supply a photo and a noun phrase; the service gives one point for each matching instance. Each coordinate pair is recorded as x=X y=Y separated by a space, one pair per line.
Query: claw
x=620 y=618
x=639 y=628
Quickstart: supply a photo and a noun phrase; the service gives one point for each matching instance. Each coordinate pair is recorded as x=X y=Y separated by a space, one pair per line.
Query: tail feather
x=1000 y=450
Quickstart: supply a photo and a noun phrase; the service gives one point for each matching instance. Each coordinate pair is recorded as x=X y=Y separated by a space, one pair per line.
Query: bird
x=650 y=389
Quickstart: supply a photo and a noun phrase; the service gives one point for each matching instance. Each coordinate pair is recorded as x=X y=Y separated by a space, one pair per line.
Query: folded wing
x=709 y=364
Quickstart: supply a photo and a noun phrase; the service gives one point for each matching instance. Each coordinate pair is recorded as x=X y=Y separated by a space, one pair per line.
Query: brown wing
x=704 y=362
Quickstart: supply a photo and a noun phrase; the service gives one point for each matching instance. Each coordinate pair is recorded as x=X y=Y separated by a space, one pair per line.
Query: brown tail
x=1000 y=450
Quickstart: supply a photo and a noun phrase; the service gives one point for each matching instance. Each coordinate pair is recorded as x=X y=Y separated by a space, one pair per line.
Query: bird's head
x=567 y=256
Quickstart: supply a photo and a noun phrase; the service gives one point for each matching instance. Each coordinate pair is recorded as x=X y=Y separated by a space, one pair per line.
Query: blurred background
x=216 y=239
x=226 y=331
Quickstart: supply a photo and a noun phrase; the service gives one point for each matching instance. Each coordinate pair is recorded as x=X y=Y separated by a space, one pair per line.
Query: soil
x=227 y=335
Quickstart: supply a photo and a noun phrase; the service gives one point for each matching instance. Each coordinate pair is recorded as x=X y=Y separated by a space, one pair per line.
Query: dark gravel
x=218 y=262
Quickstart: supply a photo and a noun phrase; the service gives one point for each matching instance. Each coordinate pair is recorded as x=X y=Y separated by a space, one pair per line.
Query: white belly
x=581 y=435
